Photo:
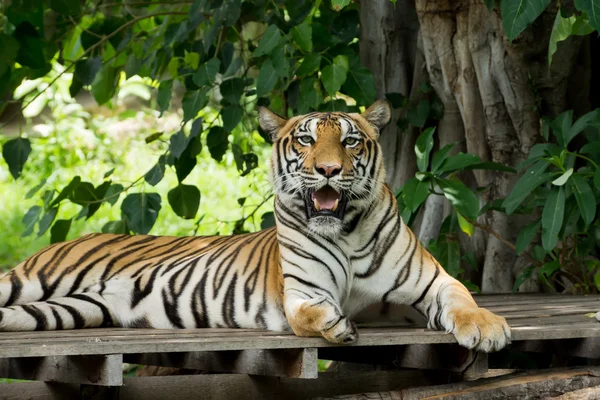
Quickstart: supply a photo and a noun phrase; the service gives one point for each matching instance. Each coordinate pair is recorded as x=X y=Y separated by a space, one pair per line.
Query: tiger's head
x=327 y=166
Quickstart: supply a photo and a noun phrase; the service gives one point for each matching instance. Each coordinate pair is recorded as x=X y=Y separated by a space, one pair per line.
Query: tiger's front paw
x=479 y=329
x=342 y=332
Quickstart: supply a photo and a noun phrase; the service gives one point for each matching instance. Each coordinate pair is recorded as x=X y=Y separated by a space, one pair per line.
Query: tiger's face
x=328 y=166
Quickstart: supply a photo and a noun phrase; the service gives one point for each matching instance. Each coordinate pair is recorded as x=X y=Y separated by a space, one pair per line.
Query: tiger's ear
x=378 y=114
x=270 y=122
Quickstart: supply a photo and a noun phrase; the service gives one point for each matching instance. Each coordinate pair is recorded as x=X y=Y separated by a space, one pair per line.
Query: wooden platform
x=96 y=356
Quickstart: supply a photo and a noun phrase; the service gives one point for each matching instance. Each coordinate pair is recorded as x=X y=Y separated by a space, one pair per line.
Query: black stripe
x=41 y=322
x=307 y=283
x=58 y=318
x=16 y=287
x=78 y=320
x=228 y=310
x=420 y=299
x=107 y=320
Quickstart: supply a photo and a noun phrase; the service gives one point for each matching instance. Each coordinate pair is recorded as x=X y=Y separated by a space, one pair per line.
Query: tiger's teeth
x=316 y=204
x=335 y=206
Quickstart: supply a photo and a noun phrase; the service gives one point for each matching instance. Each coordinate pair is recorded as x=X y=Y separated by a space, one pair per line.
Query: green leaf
x=590 y=119
x=67 y=191
x=561 y=180
x=206 y=73
x=117 y=227
x=191 y=59
x=309 y=65
x=60 y=230
x=585 y=198
x=185 y=200
x=549 y=268
x=31 y=218
x=414 y=193
x=10 y=49
x=141 y=211
x=232 y=90
x=461 y=197
x=35 y=189
x=565 y=27
x=459 y=162
x=417 y=116
x=531 y=179
x=561 y=125
x=267 y=78
x=232 y=115
x=440 y=156
x=518 y=14
x=526 y=235
x=105 y=84
x=592 y=9
x=267 y=220
x=360 y=84
x=156 y=173
x=337 y=5
x=47 y=220
x=108 y=173
x=177 y=144
x=269 y=40
x=423 y=147
x=151 y=138
x=163 y=98
x=217 y=142
x=193 y=102
x=526 y=274
x=333 y=76
x=311 y=95
x=552 y=218
x=16 y=152
x=302 y=35
x=490 y=165
x=86 y=70
x=597 y=178
x=465 y=225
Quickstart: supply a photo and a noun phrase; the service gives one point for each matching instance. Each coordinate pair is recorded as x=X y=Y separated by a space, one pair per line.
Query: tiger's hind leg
x=83 y=310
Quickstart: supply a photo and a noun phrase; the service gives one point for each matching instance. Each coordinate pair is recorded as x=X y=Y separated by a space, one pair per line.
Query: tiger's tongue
x=327 y=198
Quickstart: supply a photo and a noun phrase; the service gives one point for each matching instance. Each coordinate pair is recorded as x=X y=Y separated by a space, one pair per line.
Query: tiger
x=338 y=246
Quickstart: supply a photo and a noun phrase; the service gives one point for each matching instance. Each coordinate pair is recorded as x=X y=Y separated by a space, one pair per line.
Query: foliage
x=560 y=185
x=223 y=58
x=107 y=146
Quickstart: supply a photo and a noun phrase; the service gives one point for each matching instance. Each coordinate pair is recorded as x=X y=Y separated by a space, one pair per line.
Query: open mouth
x=325 y=202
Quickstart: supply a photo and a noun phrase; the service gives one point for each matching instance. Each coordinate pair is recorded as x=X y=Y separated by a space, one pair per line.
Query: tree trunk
x=493 y=93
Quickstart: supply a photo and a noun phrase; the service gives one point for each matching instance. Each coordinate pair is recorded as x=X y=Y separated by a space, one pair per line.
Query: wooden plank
x=39 y=391
x=535 y=385
x=87 y=343
x=231 y=387
x=292 y=363
x=105 y=370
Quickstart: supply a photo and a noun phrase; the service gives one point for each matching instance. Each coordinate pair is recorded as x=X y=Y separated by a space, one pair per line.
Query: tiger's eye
x=350 y=142
x=306 y=140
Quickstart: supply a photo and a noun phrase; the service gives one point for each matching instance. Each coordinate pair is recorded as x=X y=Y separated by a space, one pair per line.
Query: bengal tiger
x=339 y=245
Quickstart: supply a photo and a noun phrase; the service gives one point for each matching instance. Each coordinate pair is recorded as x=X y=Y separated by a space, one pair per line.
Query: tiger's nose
x=329 y=170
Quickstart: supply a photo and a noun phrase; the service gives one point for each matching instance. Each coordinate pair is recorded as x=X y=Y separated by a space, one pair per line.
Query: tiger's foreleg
x=448 y=305
x=319 y=316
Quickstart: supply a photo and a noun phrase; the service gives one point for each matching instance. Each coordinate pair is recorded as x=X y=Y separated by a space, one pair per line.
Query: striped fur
x=311 y=274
